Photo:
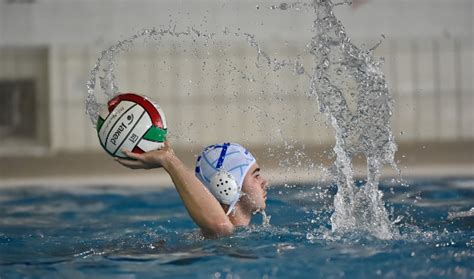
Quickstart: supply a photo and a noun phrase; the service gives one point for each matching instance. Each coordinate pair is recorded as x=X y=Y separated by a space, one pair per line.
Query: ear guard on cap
x=224 y=187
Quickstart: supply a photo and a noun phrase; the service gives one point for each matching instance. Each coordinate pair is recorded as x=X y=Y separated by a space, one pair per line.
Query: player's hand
x=148 y=160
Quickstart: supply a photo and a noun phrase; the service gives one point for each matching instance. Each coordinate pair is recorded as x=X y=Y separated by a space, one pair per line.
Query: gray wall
x=88 y=22
x=428 y=53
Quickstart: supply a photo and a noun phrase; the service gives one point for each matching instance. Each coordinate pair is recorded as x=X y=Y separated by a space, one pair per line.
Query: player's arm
x=201 y=205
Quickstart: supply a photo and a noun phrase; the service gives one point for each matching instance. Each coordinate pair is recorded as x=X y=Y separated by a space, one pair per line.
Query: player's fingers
x=132 y=155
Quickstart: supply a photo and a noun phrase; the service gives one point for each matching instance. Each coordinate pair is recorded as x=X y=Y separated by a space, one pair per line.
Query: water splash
x=351 y=91
x=106 y=64
x=265 y=219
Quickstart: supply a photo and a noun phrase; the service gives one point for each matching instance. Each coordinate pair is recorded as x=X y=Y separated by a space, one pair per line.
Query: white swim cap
x=222 y=169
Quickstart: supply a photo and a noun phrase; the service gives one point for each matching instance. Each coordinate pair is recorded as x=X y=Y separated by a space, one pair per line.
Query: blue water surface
x=142 y=232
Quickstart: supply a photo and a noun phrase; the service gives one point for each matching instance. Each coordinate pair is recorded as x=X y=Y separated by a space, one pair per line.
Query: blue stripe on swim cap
x=197 y=170
x=208 y=162
x=220 y=162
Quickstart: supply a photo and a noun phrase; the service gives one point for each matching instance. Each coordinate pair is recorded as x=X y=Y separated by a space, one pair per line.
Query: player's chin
x=260 y=206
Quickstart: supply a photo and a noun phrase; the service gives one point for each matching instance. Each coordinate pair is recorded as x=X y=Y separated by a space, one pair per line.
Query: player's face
x=254 y=188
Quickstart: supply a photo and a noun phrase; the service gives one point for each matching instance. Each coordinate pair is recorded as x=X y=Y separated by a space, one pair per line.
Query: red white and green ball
x=131 y=122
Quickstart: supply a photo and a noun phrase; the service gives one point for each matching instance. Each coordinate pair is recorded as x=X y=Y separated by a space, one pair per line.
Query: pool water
x=143 y=232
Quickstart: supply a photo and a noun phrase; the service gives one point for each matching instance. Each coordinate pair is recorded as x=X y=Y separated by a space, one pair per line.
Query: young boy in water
x=223 y=193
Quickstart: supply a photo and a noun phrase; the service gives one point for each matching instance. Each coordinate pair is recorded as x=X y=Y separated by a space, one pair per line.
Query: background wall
x=214 y=92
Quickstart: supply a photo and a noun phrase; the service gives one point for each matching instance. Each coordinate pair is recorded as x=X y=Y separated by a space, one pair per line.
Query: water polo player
x=223 y=193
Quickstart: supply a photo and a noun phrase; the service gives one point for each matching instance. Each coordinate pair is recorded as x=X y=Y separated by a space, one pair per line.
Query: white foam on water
x=461 y=214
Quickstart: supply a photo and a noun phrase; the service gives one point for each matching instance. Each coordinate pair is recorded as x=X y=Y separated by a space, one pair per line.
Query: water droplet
x=283 y=6
x=325 y=63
